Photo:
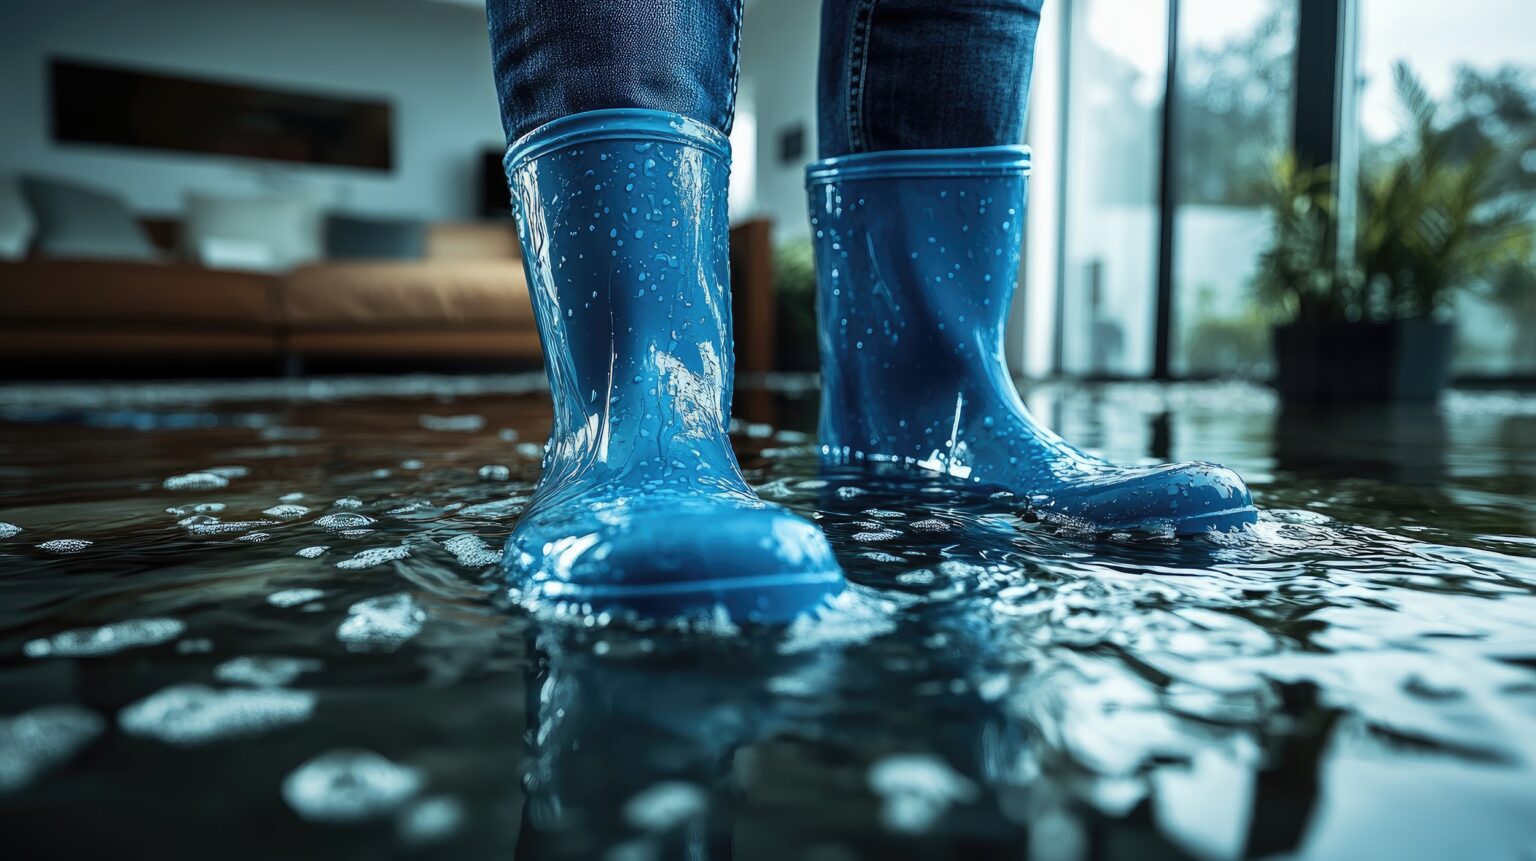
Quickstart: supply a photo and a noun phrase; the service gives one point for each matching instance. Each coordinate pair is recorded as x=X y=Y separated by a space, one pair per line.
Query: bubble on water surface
x=374 y=557
x=346 y=786
x=388 y=621
x=37 y=740
x=344 y=520
x=286 y=511
x=200 y=508
x=884 y=558
x=255 y=537
x=855 y=616
x=453 y=424
x=532 y=451
x=203 y=525
x=65 y=545
x=291 y=497
x=494 y=472
x=429 y=820
x=501 y=509
x=412 y=464
x=264 y=671
x=229 y=471
x=876 y=535
x=195 y=481
x=294 y=597
x=94 y=642
x=348 y=503
x=187 y=715
x=916 y=790
x=471 y=551
x=8 y=530
x=312 y=552
x=665 y=806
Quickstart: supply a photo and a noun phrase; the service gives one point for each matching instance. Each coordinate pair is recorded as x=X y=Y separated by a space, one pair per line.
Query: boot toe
x=1194 y=498
x=664 y=556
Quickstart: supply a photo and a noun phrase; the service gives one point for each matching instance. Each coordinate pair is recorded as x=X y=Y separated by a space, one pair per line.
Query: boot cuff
x=617 y=124
x=970 y=161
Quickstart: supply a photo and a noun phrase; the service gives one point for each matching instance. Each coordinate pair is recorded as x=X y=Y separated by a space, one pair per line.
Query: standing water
x=256 y=620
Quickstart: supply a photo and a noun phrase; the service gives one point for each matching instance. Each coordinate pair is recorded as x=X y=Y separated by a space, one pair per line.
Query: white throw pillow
x=16 y=222
x=269 y=234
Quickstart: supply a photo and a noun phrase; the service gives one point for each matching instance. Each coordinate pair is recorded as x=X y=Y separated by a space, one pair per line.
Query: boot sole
x=1225 y=520
x=767 y=598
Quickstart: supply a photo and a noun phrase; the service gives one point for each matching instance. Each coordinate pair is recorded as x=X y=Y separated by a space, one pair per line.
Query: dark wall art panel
x=117 y=106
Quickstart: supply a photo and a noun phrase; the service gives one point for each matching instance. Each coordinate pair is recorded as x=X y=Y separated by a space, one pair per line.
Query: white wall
x=779 y=46
x=430 y=60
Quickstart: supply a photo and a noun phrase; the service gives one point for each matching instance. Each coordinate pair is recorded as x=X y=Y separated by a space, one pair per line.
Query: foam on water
x=37 y=740
x=294 y=597
x=8 y=530
x=916 y=790
x=188 y=715
x=314 y=552
x=429 y=820
x=386 y=621
x=857 y=615
x=106 y=640
x=374 y=557
x=196 y=481
x=345 y=520
x=453 y=424
x=264 y=671
x=286 y=511
x=471 y=551
x=664 y=806
x=494 y=472
x=65 y=545
x=346 y=786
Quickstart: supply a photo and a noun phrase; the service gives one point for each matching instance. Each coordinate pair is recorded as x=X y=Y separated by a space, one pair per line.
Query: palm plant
x=1299 y=275
x=1435 y=219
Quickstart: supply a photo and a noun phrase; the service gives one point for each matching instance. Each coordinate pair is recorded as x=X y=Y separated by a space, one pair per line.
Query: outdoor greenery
x=794 y=283
x=1447 y=208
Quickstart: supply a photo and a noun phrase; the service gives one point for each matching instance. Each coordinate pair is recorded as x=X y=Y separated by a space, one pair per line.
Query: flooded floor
x=264 y=620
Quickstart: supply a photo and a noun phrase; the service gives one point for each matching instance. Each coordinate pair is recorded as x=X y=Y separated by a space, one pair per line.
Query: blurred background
x=1334 y=195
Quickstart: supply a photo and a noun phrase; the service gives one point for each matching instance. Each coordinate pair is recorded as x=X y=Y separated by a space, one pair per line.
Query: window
x=1117 y=64
x=1474 y=59
x=1233 y=120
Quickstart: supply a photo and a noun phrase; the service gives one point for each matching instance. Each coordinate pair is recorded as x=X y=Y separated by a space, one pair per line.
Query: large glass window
x=1117 y=65
x=1474 y=58
x=1232 y=120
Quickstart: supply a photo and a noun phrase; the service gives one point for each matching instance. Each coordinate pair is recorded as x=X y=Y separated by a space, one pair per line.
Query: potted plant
x=794 y=283
x=1374 y=325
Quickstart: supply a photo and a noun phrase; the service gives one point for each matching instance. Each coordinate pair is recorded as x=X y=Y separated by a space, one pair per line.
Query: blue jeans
x=894 y=74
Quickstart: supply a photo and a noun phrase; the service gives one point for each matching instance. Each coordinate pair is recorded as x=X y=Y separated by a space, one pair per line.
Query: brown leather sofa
x=465 y=300
x=465 y=303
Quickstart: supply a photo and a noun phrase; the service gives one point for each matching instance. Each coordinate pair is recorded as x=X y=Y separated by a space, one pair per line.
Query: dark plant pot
x=1320 y=361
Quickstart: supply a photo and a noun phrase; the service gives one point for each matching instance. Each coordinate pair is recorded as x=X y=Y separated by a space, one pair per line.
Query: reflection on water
x=268 y=616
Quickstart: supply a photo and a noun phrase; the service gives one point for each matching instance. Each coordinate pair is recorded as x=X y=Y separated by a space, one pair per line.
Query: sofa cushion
x=80 y=222
x=351 y=237
x=486 y=240
x=16 y=222
x=129 y=294
x=420 y=295
x=260 y=234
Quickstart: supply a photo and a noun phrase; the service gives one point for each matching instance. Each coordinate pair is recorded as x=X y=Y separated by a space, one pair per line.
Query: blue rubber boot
x=642 y=507
x=917 y=253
